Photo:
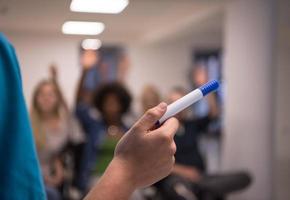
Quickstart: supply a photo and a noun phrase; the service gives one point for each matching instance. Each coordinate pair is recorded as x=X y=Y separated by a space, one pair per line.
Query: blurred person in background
x=187 y=136
x=190 y=165
x=113 y=102
x=189 y=179
x=101 y=114
x=54 y=129
x=100 y=106
x=210 y=143
x=150 y=97
x=91 y=77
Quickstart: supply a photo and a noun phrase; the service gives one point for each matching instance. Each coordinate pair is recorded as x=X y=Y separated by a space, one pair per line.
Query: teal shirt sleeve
x=20 y=176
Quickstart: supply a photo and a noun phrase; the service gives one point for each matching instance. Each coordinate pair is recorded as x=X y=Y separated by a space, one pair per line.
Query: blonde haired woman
x=54 y=128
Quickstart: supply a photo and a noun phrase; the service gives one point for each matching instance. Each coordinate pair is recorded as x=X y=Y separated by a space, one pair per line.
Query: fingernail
x=162 y=105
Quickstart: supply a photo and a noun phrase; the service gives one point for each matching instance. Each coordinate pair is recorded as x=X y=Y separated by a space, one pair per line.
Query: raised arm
x=88 y=60
x=80 y=94
x=54 y=78
x=141 y=158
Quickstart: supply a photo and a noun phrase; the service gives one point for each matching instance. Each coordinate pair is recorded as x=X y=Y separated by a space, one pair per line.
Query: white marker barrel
x=188 y=100
x=181 y=104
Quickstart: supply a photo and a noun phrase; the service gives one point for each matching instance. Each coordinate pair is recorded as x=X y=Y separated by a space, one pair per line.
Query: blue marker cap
x=209 y=87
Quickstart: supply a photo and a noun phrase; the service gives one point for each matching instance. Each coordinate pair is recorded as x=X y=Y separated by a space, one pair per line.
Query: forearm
x=54 y=79
x=115 y=184
x=80 y=86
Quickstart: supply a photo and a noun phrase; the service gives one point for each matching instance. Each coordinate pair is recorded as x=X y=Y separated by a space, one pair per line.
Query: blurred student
x=103 y=122
x=54 y=129
x=84 y=99
x=150 y=97
x=113 y=102
x=100 y=107
x=190 y=162
x=189 y=179
x=210 y=143
x=190 y=165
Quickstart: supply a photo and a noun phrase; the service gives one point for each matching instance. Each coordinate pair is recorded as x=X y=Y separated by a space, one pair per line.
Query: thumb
x=148 y=120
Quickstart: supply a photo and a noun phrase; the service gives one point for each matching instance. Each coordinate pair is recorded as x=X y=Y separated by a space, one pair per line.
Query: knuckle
x=165 y=138
x=151 y=113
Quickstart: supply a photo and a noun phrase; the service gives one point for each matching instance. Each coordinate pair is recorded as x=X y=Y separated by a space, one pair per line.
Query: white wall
x=37 y=52
x=282 y=103
x=249 y=101
x=164 y=64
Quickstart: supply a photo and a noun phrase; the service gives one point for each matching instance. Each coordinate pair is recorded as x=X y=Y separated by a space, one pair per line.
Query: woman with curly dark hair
x=113 y=101
x=102 y=118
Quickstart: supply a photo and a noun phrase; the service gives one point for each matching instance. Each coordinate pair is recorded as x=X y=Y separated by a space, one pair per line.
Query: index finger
x=148 y=120
x=170 y=126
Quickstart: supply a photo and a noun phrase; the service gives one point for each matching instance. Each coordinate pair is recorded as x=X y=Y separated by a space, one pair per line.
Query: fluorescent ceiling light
x=91 y=44
x=83 y=28
x=99 y=6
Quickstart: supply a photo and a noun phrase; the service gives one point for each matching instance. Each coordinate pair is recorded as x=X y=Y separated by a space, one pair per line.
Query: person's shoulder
x=8 y=61
x=4 y=42
x=3 y=38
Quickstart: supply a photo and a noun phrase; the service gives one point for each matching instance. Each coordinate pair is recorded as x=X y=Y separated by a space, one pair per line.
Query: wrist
x=116 y=183
x=121 y=174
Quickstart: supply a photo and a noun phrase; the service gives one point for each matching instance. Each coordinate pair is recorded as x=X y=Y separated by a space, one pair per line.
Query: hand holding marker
x=188 y=100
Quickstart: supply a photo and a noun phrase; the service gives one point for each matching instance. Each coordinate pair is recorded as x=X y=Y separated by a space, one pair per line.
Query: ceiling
x=141 y=20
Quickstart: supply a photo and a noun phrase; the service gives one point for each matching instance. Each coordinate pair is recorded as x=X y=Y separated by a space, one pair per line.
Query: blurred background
x=86 y=84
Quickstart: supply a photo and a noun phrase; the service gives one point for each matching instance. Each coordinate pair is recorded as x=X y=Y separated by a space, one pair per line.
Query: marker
x=188 y=100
